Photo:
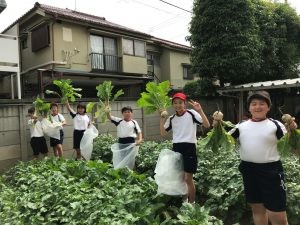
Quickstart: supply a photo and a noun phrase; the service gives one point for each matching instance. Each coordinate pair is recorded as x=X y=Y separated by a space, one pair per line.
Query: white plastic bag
x=51 y=129
x=124 y=155
x=170 y=174
x=86 y=143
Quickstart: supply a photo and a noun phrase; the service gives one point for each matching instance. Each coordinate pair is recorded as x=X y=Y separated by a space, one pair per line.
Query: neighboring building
x=62 y=43
x=9 y=62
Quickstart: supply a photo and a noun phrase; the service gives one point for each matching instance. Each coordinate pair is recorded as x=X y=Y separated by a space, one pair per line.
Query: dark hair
x=81 y=105
x=53 y=104
x=261 y=95
x=126 y=108
x=31 y=110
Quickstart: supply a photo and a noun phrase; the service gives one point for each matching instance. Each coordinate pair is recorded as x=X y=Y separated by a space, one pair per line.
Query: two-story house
x=62 y=43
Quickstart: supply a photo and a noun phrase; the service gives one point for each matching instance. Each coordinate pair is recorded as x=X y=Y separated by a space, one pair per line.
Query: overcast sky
x=150 y=16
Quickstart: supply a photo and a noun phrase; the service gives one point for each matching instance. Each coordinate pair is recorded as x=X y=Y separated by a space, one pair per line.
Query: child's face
x=30 y=115
x=127 y=115
x=54 y=110
x=258 y=109
x=179 y=105
x=80 y=110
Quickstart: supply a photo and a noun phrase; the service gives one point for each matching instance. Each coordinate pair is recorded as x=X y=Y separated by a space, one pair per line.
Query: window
x=24 y=43
x=134 y=47
x=187 y=74
x=104 y=53
x=40 y=38
x=152 y=60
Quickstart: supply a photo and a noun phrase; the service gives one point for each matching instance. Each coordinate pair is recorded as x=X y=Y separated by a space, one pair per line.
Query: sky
x=153 y=17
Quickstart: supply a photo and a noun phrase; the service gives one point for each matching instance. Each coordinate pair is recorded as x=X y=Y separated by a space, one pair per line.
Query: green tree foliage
x=225 y=40
x=279 y=32
x=202 y=87
x=238 y=41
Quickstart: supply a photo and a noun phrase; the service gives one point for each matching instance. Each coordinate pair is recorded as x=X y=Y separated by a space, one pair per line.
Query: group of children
x=128 y=130
x=260 y=166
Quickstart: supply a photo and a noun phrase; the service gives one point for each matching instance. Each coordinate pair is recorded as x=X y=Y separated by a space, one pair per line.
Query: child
x=128 y=130
x=260 y=165
x=37 y=141
x=56 y=144
x=184 y=126
x=81 y=123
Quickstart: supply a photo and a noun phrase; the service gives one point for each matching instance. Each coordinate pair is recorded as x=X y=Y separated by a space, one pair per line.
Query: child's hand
x=138 y=142
x=195 y=105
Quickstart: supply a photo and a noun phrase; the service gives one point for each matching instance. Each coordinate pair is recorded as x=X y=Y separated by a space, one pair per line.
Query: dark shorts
x=77 y=136
x=126 y=140
x=188 y=152
x=38 y=145
x=264 y=183
x=54 y=141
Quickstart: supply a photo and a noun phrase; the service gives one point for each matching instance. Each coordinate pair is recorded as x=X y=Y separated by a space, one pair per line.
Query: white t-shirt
x=126 y=128
x=35 y=128
x=81 y=122
x=58 y=118
x=258 y=140
x=184 y=127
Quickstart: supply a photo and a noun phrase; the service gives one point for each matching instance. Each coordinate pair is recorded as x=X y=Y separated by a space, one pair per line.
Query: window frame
x=186 y=72
x=134 y=51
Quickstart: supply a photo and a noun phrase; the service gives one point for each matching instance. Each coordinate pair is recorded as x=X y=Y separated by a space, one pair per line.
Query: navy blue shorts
x=77 y=136
x=188 y=152
x=264 y=183
x=54 y=141
x=38 y=145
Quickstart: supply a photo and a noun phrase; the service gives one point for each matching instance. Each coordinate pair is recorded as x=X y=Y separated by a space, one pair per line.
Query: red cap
x=180 y=96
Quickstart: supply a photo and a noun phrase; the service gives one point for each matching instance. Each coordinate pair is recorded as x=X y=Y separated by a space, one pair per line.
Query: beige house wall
x=72 y=45
x=176 y=68
x=134 y=64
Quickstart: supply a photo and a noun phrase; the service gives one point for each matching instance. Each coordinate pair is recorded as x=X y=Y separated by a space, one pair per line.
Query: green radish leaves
x=67 y=91
x=41 y=108
x=156 y=98
x=106 y=96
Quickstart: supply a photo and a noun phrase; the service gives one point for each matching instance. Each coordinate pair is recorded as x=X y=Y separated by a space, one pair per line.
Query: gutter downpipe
x=241 y=105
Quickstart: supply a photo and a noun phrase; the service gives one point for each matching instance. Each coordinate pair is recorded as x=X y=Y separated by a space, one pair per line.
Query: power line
x=175 y=6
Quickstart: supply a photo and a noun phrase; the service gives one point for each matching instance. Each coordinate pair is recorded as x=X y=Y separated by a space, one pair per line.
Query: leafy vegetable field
x=55 y=191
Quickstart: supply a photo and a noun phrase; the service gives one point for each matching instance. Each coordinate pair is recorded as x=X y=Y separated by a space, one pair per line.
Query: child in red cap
x=184 y=126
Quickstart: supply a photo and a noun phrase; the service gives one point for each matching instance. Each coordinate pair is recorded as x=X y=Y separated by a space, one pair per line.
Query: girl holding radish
x=81 y=123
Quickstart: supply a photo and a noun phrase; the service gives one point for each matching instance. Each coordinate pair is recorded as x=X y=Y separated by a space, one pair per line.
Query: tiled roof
x=170 y=43
x=262 y=85
x=97 y=21
x=83 y=17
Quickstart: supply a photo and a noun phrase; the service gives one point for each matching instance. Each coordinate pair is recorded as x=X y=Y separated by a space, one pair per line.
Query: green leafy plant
x=101 y=147
x=218 y=138
x=290 y=142
x=156 y=98
x=67 y=91
x=41 y=107
x=105 y=96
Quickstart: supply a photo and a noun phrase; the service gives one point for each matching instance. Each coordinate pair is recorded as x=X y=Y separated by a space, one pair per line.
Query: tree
x=225 y=40
x=239 y=41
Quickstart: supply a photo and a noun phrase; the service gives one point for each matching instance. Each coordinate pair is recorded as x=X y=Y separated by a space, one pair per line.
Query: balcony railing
x=105 y=63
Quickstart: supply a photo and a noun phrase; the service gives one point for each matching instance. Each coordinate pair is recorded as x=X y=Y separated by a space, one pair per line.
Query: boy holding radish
x=184 y=126
x=129 y=137
x=260 y=165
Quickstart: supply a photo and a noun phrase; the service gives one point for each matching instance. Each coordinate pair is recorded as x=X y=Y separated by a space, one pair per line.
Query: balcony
x=105 y=63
